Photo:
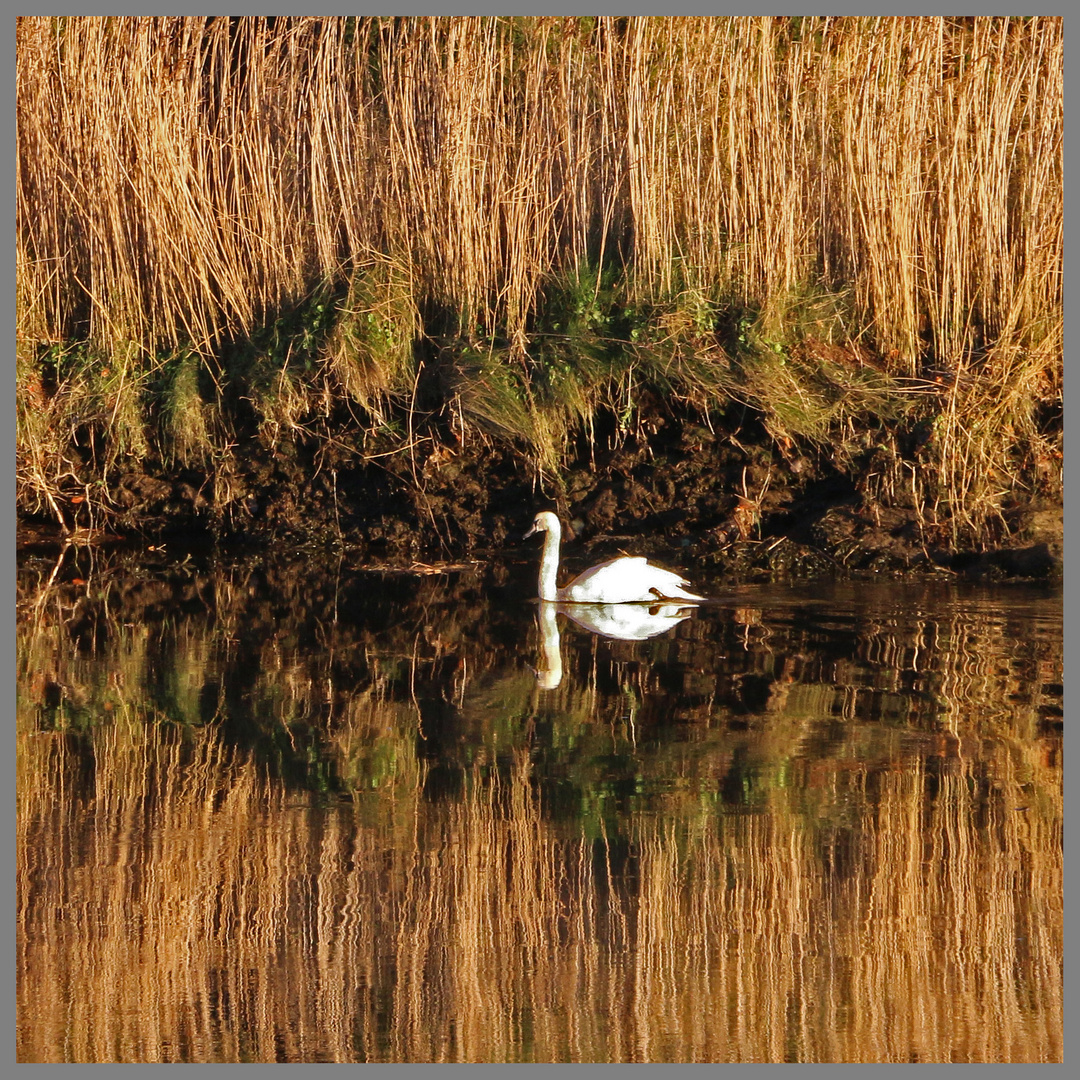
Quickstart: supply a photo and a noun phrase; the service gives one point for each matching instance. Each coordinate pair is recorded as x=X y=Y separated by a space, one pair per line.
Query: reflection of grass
x=361 y=705
x=620 y=858
x=373 y=746
x=479 y=928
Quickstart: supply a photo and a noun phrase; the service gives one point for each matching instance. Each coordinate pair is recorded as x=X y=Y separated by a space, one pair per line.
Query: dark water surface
x=274 y=811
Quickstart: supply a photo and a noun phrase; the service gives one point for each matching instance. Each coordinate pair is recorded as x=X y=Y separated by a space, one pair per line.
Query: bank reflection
x=265 y=815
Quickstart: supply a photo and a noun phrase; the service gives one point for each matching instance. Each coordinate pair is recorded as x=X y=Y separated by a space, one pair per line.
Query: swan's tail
x=673 y=591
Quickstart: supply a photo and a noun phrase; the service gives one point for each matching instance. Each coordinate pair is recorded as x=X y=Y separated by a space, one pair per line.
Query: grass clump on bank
x=340 y=229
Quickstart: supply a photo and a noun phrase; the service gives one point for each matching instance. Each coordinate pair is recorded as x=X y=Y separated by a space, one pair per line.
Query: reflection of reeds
x=279 y=649
x=198 y=912
x=891 y=891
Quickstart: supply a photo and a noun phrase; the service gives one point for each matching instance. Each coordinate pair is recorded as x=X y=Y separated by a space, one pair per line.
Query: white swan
x=628 y=579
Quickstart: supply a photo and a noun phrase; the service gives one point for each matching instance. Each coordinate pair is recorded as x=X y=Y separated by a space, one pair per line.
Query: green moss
x=370 y=350
x=185 y=435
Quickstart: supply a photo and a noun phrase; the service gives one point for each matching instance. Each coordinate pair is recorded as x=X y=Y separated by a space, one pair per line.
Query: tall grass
x=181 y=180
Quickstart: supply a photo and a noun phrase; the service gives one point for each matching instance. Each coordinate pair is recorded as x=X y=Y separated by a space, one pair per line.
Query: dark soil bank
x=671 y=487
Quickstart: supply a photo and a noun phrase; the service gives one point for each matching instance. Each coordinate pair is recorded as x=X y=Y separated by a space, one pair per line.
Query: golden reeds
x=182 y=180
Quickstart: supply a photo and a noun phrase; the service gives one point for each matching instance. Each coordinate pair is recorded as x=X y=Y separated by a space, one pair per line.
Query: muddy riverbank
x=688 y=492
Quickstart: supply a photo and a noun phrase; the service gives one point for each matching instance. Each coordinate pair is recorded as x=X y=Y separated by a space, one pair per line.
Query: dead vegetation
x=285 y=226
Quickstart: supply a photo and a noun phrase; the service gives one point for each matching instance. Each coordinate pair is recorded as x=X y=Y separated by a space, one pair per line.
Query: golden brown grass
x=180 y=177
x=181 y=180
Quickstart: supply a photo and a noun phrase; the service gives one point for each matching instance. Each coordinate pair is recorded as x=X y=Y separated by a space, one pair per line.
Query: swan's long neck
x=549 y=564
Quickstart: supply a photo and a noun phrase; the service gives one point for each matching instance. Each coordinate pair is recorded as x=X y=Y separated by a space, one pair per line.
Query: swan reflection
x=549 y=673
x=623 y=622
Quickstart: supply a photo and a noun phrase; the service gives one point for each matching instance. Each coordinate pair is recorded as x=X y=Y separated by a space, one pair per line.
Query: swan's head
x=545 y=521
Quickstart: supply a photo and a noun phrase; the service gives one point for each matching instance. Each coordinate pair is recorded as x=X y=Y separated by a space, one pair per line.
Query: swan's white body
x=629 y=579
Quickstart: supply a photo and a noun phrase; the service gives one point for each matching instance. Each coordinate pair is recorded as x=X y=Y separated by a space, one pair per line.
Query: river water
x=282 y=810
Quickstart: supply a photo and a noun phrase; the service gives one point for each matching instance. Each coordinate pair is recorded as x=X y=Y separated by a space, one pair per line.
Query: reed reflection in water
x=791 y=827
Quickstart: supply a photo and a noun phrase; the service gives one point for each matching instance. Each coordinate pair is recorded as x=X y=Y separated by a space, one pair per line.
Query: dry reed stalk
x=492 y=151
x=180 y=181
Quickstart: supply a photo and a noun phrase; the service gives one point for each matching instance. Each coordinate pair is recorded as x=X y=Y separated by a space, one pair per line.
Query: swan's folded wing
x=618 y=581
x=667 y=585
x=628 y=579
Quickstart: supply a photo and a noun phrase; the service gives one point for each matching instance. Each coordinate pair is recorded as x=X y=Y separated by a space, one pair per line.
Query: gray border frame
x=486 y=7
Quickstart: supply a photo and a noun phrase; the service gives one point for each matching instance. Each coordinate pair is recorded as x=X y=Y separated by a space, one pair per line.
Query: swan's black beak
x=531 y=531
